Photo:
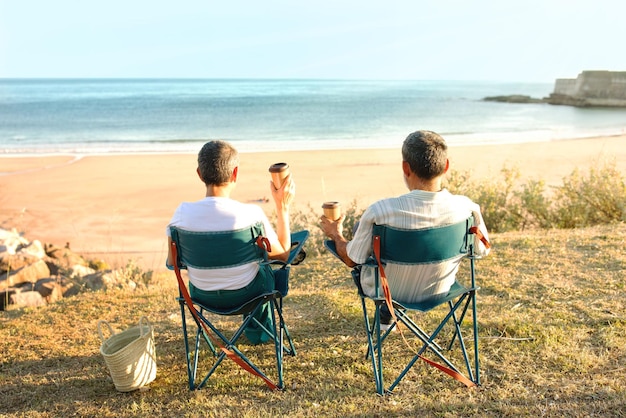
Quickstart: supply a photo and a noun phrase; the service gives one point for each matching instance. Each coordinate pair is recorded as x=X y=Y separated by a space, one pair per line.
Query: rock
x=65 y=256
x=50 y=289
x=561 y=99
x=513 y=98
x=591 y=88
x=5 y=298
x=11 y=241
x=34 y=249
x=12 y=262
x=53 y=266
x=110 y=279
x=30 y=273
x=24 y=287
x=25 y=255
x=79 y=270
x=70 y=289
x=94 y=281
x=29 y=299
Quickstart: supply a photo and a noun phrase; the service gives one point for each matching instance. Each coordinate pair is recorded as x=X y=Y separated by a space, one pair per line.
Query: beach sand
x=117 y=207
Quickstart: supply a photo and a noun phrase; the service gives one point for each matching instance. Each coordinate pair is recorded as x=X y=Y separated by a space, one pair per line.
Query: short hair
x=427 y=153
x=216 y=162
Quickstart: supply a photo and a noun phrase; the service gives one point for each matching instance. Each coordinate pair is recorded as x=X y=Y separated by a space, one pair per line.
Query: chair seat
x=455 y=291
x=243 y=309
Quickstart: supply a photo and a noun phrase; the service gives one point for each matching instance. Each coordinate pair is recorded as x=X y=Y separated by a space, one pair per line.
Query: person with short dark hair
x=218 y=168
x=424 y=165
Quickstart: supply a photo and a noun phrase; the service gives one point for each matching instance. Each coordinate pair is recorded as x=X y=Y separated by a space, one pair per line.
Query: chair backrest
x=424 y=245
x=211 y=250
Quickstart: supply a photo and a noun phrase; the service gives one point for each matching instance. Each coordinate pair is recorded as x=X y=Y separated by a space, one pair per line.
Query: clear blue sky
x=523 y=40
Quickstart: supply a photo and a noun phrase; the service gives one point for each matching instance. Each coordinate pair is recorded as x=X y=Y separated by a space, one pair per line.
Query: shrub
x=501 y=207
x=582 y=200
x=534 y=205
x=309 y=219
x=508 y=204
x=598 y=198
x=132 y=272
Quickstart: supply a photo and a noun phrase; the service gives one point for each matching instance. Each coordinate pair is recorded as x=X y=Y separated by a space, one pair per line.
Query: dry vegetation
x=552 y=336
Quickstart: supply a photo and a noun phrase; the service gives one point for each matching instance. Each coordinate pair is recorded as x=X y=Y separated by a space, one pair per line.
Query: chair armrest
x=297 y=240
x=332 y=248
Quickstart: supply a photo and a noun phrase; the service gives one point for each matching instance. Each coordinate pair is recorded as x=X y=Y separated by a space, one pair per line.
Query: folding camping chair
x=210 y=250
x=430 y=245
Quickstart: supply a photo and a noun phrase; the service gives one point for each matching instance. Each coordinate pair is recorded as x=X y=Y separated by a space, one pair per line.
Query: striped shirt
x=414 y=210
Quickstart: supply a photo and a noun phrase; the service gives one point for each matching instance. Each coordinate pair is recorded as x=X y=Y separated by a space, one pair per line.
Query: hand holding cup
x=332 y=210
x=279 y=172
x=282 y=186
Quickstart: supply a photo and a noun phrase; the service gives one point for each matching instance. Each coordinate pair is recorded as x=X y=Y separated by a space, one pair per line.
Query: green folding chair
x=429 y=245
x=210 y=250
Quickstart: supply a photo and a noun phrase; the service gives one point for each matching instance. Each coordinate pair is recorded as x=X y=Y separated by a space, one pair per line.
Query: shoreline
x=252 y=147
x=119 y=205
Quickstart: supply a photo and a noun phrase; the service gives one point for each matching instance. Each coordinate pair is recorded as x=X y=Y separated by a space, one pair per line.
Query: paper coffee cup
x=279 y=171
x=332 y=210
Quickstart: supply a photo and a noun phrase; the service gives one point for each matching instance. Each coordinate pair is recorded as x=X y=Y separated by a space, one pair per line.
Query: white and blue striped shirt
x=414 y=210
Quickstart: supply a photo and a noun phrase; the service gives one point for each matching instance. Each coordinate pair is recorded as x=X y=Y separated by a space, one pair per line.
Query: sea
x=121 y=116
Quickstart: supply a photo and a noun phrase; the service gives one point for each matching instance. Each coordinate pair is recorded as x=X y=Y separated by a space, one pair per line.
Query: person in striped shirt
x=424 y=165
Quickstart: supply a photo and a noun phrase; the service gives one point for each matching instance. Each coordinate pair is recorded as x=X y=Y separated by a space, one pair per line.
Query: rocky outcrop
x=32 y=274
x=591 y=89
x=513 y=98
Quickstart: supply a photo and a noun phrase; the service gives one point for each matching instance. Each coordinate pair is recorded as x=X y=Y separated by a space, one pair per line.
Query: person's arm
x=283 y=197
x=334 y=231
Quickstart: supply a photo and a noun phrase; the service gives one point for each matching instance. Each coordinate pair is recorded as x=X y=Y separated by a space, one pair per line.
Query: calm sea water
x=120 y=116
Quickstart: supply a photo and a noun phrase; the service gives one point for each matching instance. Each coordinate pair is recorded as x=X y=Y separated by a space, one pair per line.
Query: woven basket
x=130 y=355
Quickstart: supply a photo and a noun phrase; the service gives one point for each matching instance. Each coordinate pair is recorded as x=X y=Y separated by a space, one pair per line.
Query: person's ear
x=447 y=166
x=233 y=178
x=199 y=174
x=406 y=168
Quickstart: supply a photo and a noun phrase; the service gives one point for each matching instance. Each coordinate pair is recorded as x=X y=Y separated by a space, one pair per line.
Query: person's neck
x=222 y=190
x=433 y=185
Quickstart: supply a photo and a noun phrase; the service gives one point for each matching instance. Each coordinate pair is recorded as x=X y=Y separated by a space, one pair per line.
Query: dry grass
x=552 y=335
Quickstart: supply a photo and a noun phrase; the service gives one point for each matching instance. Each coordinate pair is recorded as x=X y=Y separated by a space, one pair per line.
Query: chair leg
x=283 y=331
x=457 y=332
x=375 y=349
x=473 y=371
x=475 y=329
x=474 y=317
x=429 y=342
x=278 y=343
x=276 y=334
x=191 y=371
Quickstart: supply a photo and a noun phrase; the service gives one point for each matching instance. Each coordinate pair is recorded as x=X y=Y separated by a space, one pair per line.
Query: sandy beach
x=117 y=206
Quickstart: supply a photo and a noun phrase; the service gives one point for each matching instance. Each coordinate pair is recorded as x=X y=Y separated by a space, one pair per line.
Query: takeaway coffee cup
x=279 y=171
x=332 y=210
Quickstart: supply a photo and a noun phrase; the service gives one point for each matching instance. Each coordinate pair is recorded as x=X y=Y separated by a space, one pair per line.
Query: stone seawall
x=591 y=88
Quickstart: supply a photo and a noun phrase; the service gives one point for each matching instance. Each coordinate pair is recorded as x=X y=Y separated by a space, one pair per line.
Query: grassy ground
x=552 y=336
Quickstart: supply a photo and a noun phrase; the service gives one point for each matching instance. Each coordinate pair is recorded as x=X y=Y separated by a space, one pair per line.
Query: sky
x=500 y=40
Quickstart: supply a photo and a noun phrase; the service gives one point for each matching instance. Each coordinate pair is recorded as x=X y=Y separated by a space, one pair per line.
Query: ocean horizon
x=114 y=116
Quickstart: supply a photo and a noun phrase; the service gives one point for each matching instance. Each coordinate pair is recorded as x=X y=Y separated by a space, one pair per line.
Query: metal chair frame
x=224 y=249
x=417 y=247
